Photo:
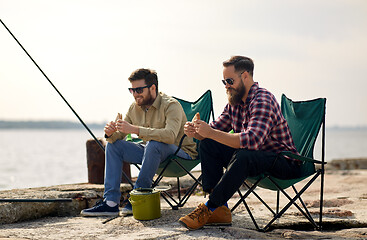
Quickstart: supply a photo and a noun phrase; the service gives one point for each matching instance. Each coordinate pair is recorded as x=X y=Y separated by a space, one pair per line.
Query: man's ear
x=153 y=88
x=244 y=76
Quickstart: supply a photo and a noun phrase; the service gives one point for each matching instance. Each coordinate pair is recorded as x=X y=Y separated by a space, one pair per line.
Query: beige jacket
x=163 y=122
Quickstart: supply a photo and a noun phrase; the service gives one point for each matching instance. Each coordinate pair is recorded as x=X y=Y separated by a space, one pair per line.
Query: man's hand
x=203 y=129
x=189 y=129
x=126 y=127
x=110 y=128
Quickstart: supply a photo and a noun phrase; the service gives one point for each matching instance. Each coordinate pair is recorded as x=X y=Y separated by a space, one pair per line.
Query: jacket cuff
x=115 y=136
x=143 y=132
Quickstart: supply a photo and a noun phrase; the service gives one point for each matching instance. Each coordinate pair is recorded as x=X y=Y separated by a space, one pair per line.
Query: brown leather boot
x=221 y=216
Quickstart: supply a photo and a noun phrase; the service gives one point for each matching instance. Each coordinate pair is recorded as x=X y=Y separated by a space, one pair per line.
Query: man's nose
x=135 y=94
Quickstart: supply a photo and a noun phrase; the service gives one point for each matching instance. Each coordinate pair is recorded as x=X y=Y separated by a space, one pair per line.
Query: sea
x=44 y=157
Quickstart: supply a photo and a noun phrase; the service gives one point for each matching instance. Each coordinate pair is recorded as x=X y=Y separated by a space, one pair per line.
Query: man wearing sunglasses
x=260 y=132
x=159 y=121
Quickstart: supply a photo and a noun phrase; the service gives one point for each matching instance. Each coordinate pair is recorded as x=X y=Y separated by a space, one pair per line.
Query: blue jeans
x=149 y=156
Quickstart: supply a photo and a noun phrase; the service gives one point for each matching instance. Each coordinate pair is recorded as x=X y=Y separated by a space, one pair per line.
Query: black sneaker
x=100 y=209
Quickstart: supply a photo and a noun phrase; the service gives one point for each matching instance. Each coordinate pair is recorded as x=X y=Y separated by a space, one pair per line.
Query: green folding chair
x=305 y=119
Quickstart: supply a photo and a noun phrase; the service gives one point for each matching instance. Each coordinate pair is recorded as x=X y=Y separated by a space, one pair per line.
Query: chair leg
x=174 y=207
x=261 y=200
x=322 y=169
x=189 y=192
x=303 y=204
x=278 y=214
x=278 y=196
x=178 y=189
x=250 y=213
x=321 y=197
x=246 y=194
x=292 y=201
x=180 y=202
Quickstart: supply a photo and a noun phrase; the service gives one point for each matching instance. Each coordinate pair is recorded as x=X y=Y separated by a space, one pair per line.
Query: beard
x=144 y=101
x=235 y=94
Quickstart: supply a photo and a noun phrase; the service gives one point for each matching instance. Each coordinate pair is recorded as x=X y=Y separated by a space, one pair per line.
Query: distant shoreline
x=47 y=125
x=58 y=124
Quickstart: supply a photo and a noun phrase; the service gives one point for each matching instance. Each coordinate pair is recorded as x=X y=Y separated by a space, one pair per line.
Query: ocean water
x=36 y=158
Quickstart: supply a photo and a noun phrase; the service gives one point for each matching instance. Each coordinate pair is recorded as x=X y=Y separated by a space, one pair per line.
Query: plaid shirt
x=259 y=121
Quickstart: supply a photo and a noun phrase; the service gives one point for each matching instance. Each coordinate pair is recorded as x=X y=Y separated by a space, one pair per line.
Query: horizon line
x=14 y=124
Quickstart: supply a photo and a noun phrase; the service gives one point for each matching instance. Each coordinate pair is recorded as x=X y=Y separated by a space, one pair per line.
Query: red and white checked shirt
x=259 y=121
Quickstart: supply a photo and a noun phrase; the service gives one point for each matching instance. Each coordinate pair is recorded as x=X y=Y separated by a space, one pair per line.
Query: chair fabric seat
x=268 y=184
x=174 y=170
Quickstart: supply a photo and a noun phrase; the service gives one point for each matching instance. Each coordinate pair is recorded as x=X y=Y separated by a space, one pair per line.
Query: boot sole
x=218 y=224
x=184 y=224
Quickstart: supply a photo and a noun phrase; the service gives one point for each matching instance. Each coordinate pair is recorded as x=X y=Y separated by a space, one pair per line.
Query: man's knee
x=207 y=143
x=154 y=145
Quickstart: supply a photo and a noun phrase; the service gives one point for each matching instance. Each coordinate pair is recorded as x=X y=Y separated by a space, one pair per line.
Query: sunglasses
x=230 y=80
x=139 y=90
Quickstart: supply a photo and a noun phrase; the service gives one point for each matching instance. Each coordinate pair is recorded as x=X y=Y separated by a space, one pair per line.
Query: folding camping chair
x=305 y=119
x=177 y=167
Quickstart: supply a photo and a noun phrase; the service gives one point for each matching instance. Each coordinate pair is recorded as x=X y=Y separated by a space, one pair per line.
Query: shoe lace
x=199 y=213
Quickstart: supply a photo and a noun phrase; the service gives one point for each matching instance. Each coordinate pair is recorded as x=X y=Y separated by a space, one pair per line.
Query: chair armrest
x=179 y=145
x=299 y=157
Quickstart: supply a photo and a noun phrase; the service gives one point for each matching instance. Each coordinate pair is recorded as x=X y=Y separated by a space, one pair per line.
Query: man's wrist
x=211 y=134
x=106 y=136
x=136 y=130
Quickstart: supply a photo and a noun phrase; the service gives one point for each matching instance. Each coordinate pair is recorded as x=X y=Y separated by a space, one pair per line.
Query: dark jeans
x=240 y=164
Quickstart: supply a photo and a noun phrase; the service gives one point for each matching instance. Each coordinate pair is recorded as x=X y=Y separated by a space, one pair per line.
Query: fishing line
x=53 y=86
x=82 y=122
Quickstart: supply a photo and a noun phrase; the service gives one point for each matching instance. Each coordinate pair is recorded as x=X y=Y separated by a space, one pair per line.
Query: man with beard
x=260 y=132
x=159 y=121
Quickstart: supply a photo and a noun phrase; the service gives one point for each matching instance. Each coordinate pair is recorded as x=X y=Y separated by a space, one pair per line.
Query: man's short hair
x=150 y=76
x=240 y=64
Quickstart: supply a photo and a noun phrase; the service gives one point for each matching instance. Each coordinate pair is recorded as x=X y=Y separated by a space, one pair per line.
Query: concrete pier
x=344 y=215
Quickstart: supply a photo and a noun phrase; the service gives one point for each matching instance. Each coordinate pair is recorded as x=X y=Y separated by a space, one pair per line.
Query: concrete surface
x=344 y=215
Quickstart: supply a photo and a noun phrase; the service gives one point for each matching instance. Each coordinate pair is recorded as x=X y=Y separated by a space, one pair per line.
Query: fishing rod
x=53 y=86
x=81 y=121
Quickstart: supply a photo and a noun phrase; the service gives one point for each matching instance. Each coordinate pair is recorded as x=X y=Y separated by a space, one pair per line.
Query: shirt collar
x=156 y=103
x=251 y=93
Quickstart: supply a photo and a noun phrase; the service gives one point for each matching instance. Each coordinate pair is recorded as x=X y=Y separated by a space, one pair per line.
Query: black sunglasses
x=139 y=90
x=230 y=80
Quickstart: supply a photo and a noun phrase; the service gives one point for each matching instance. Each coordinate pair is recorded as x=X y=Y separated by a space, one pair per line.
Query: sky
x=88 y=49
